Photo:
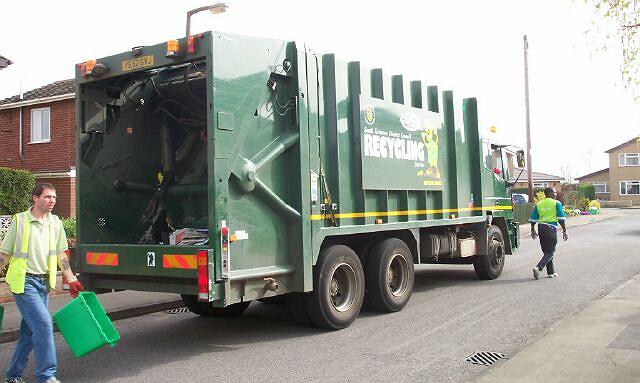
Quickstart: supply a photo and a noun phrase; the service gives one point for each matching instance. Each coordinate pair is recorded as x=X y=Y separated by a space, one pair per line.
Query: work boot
x=15 y=380
x=52 y=379
x=553 y=275
x=536 y=272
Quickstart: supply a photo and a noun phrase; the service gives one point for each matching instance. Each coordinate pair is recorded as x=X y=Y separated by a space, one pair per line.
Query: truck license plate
x=137 y=63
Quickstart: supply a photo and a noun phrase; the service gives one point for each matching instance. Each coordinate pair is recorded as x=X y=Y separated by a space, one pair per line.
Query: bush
x=587 y=190
x=15 y=190
x=69 y=225
x=571 y=199
x=583 y=203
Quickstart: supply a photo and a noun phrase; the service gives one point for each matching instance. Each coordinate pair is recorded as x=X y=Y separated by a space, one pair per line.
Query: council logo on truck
x=369 y=115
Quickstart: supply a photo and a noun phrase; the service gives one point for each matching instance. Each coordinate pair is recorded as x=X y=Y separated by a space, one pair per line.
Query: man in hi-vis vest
x=548 y=213
x=34 y=244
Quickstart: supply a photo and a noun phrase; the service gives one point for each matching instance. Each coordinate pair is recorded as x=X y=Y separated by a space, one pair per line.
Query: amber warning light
x=173 y=48
x=92 y=68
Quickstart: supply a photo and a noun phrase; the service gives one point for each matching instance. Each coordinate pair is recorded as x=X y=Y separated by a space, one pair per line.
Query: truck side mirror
x=520 y=158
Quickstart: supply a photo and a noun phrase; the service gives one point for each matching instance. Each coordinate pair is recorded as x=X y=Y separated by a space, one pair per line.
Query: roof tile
x=54 y=89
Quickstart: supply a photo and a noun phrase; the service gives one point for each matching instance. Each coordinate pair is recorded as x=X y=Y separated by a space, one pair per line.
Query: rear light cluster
x=173 y=46
x=203 y=274
x=224 y=247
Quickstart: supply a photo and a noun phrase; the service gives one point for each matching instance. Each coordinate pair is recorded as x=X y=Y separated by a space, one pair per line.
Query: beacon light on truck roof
x=92 y=68
x=173 y=48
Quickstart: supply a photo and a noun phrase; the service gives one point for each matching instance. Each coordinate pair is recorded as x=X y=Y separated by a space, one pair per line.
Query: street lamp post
x=215 y=9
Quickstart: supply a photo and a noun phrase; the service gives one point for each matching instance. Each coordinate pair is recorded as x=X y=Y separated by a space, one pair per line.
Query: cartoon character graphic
x=430 y=141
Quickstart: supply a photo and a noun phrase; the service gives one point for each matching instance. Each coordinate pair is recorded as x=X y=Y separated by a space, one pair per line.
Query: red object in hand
x=497 y=171
x=75 y=287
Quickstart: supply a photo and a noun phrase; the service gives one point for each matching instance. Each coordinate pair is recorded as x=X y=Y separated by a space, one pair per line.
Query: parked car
x=519 y=199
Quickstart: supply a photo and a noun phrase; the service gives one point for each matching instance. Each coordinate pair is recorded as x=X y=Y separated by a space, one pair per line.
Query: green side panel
x=451 y=161
x=470 y=112
x=258 y=188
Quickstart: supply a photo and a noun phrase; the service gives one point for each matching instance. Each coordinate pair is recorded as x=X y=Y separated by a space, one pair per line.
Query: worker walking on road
x=34 y=243
x=547 y=213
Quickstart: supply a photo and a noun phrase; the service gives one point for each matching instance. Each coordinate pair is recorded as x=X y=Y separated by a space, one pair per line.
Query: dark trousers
x=548 y=239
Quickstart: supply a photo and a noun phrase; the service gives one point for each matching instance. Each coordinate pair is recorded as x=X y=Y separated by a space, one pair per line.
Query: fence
x=521 y=213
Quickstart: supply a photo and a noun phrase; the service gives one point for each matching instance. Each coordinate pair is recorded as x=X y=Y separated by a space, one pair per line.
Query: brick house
x=600 y=181
x=540 y=180
x=621 y=181
x=37 y=133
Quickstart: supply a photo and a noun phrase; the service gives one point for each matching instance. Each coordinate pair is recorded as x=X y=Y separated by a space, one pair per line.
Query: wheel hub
x=497 y=253
x=397 y=275
x=343 y=286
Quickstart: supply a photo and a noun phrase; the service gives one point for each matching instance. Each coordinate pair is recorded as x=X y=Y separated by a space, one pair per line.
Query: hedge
x=587 y=190
x=15 y=190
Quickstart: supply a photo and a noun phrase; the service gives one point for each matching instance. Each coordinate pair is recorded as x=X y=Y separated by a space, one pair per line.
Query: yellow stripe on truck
x=316 y=217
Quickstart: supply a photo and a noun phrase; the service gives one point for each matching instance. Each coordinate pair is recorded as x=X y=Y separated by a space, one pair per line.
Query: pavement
x=600 y=343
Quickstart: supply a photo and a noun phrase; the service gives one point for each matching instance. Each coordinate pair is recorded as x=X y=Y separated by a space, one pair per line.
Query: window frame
x=41 y=140
x=624 y=157
x=625 y=189
x=607 y=190
x=544 y=185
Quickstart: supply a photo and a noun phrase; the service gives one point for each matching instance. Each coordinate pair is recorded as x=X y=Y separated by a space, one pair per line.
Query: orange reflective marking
x=179 y=261
x=102 y=259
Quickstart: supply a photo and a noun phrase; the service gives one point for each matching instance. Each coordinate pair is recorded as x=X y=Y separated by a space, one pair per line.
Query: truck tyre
x=192 y=303
x=389 y=275
x=230 y=311
x=489 y=266
x=338 y=288
x=205 y=309
x=295 y=304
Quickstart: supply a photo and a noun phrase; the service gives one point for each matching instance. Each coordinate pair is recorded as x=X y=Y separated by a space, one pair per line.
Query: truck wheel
x=338 y=288
x=489 y=266
x=295 y=304
x=205 y=309
x=389 y=275
x=230 y=311
x=192 y=303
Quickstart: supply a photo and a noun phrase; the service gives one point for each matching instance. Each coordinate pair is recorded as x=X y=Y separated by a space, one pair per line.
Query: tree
x=567 y=173
x=620 y=22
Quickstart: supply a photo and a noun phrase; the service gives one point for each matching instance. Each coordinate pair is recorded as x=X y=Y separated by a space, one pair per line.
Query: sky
x=578 y=106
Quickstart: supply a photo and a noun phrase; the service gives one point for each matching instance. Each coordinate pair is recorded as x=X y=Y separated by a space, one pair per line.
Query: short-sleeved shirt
x=38 y=249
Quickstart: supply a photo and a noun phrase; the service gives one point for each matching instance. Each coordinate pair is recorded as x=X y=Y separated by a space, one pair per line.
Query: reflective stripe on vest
x=547 y=210
x=18 y=261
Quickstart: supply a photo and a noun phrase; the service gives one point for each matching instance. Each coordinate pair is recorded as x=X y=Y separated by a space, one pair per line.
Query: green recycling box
x=85 y=325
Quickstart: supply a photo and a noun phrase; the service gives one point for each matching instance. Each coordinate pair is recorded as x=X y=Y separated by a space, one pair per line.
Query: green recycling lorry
x=228 y=168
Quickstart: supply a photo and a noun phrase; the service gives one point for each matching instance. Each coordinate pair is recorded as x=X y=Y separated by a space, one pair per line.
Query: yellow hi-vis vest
x=18 y=262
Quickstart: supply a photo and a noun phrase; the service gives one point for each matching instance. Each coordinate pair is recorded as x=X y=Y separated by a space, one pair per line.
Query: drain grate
x=485 y=358
x=181 y=310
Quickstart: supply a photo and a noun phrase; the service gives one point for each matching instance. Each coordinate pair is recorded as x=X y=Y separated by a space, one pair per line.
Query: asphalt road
x=450 y=315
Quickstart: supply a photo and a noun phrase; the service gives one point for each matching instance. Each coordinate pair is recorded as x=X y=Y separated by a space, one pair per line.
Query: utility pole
x=526 y=108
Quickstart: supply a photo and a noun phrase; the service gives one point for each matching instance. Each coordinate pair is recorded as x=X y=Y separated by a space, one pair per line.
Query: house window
x=40 y=125
x=629 y=187
x=540 y=185
x=601 y=187
x=629 y=159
